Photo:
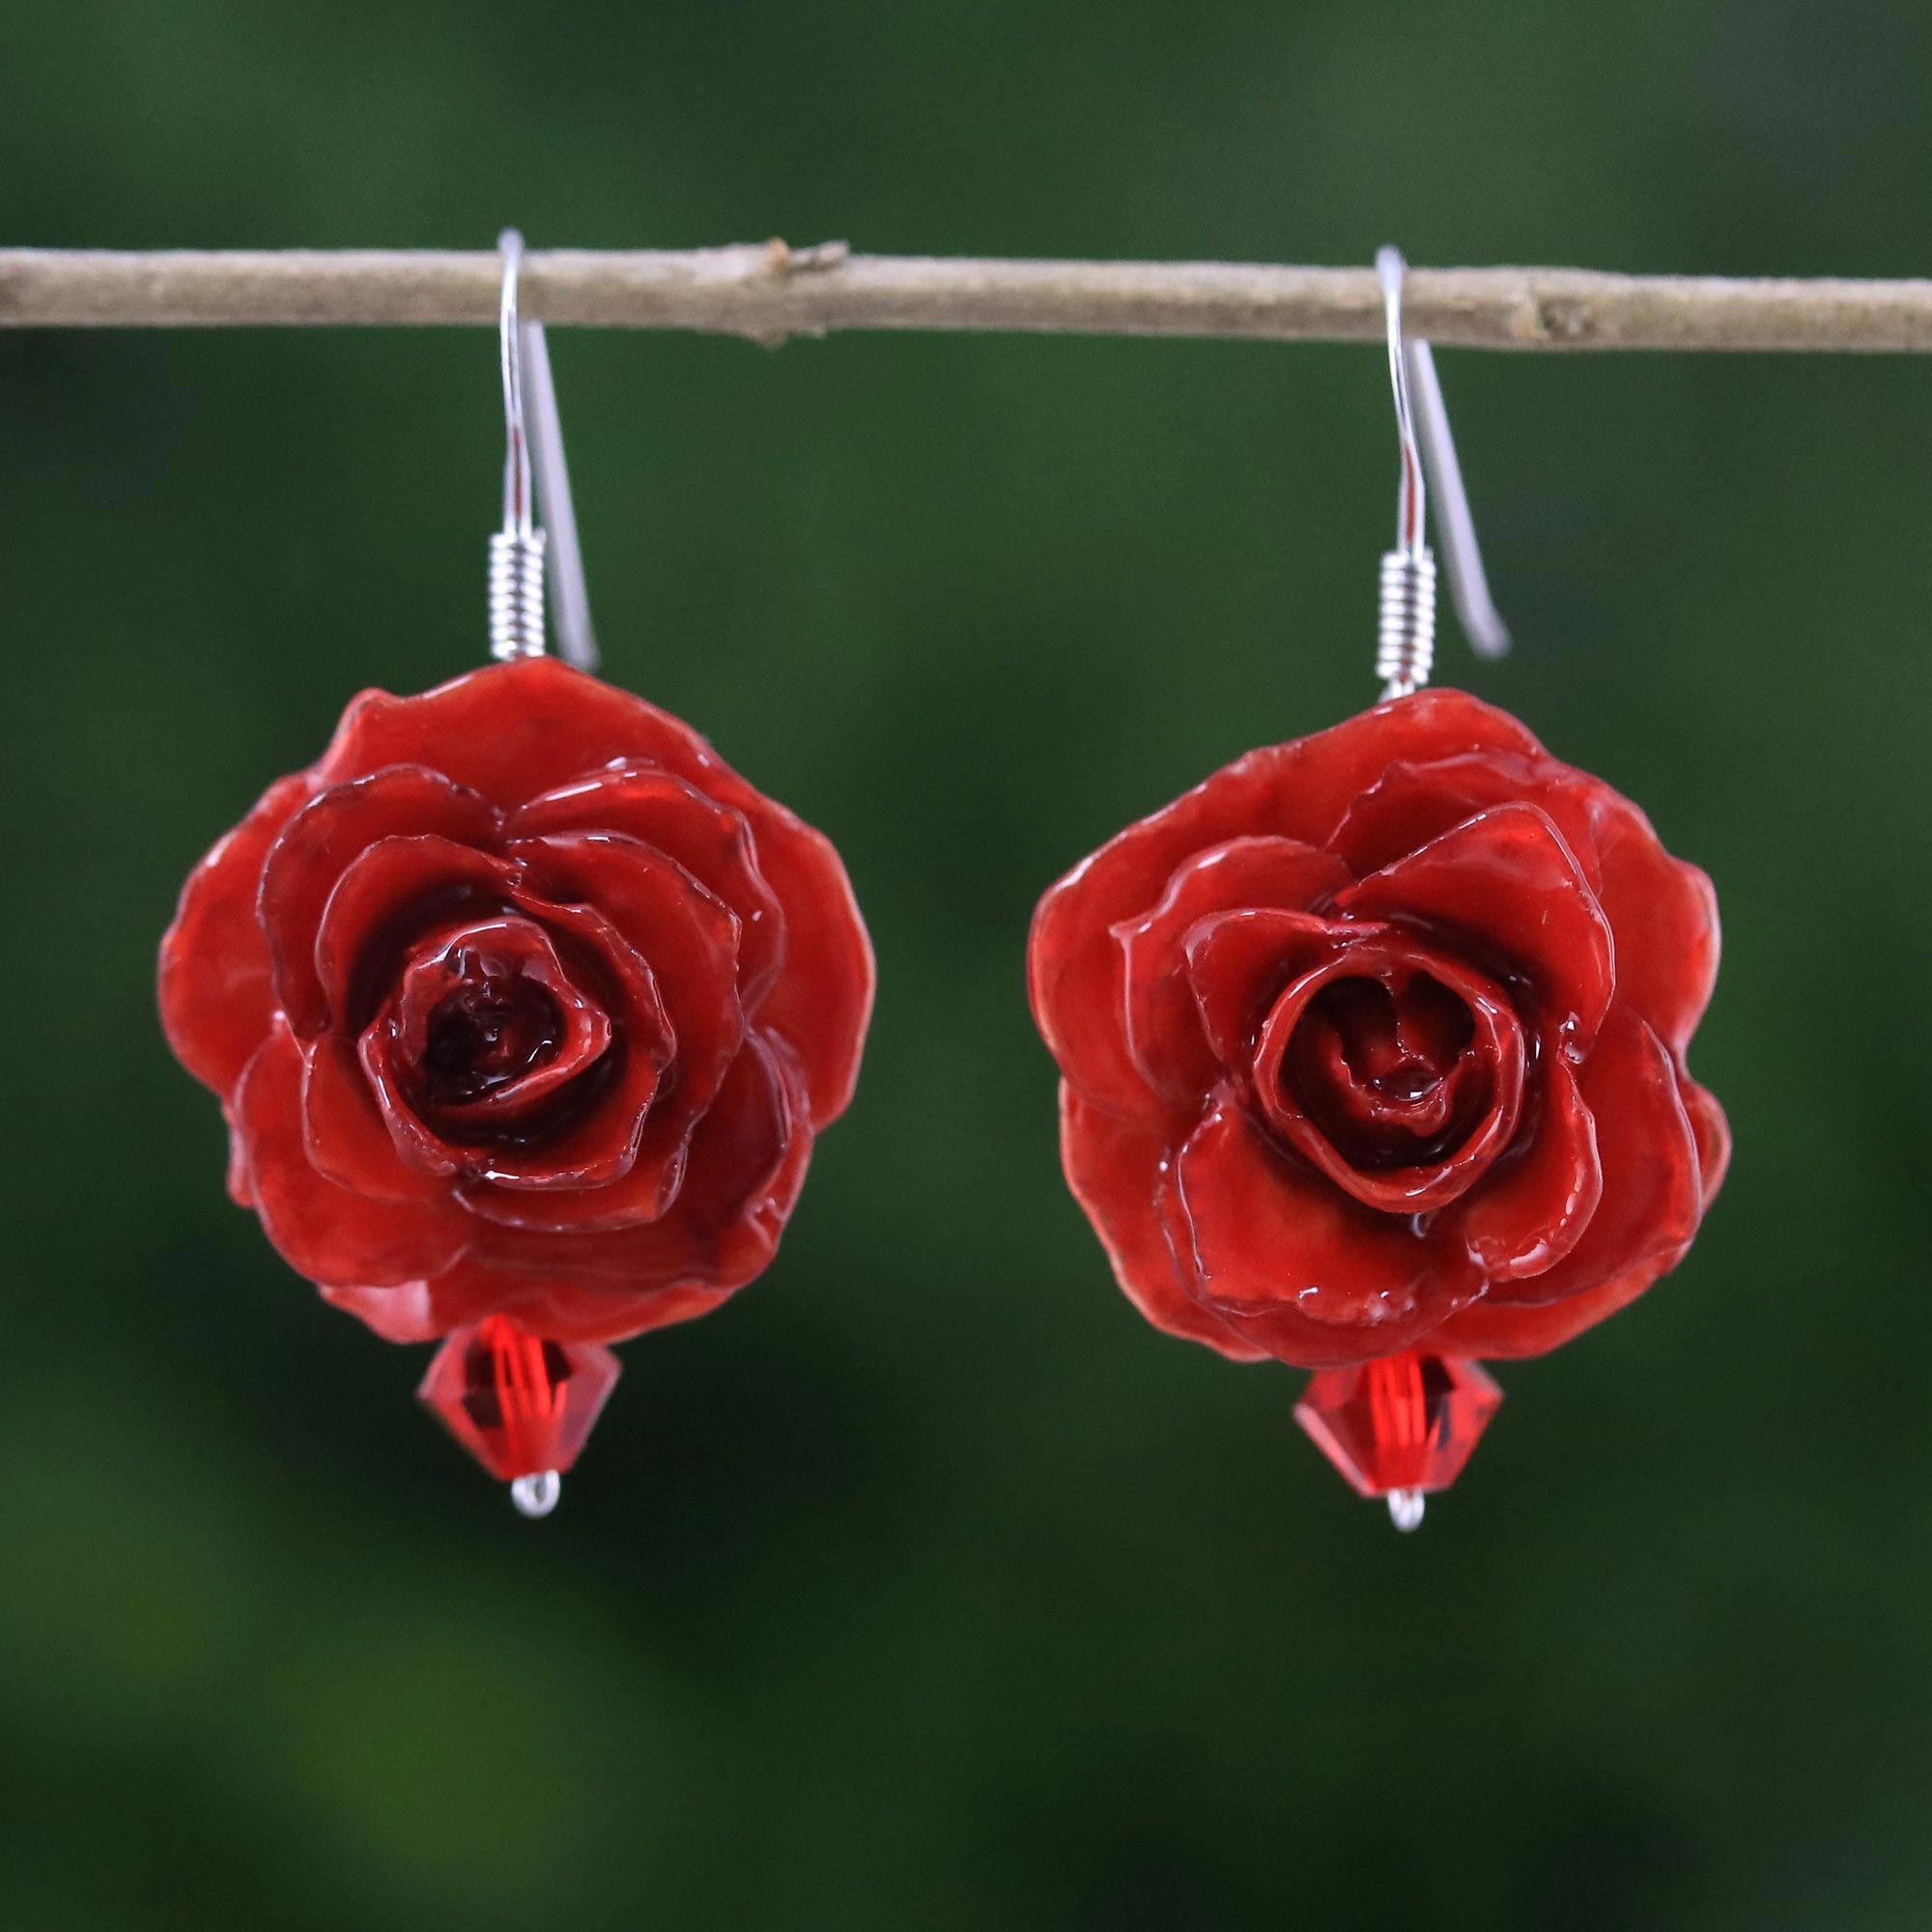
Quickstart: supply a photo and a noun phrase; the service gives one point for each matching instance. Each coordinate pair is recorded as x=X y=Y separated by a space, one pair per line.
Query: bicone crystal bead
x=1407 y=1422
x=520 y=1404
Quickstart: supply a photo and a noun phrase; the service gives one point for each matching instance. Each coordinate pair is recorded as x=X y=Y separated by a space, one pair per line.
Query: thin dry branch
x=767 y=292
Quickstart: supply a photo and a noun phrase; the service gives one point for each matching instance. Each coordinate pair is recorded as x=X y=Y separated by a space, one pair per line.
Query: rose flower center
x=486 y=1034
x=1396 y=1069
x=1386 y=1074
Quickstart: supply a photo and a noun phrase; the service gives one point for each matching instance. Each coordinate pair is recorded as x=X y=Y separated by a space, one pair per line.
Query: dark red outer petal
x=1410 y=805
x=215 y=996
x=711 y=840
x=398 y=1314
x=1713 y=1132
x=1507 y=877
x=1498 y=1047
x=1114 y=1168
x=1297 y=790
x=1534 y=1208
x=1653 y=1183
x=1262 y=1236
x=1163 y=1024
x=1238 y=962
x=573 y=1312
x=1504 y=1331
x=514 y=731
x=321 y=1229
x=1665 y=913
x=822 y=1002
x=318 y=843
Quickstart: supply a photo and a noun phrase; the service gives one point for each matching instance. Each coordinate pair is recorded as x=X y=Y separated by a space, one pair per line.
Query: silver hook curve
x=533 y=436
x=517 y=456
x=1412 y=495
x=569 y=602
x=1406 y=642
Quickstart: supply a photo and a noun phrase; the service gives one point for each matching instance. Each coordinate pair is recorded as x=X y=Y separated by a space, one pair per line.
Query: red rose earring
x=524 y=1008
x=1374 y=1043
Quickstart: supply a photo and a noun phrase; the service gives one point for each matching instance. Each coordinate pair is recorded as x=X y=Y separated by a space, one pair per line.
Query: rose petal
x=1410 y=805
x=1507 y=877
x=215 y=995
x=1507 y=1330
x=1661 y=909
x=575 y=1310
x=515 y=731
x=693 y=937
x=1238 y=962
x=1298 y=790
x=318 y=845
x=1163 y=1023
x=615 y=1133
x=398 y=1314
x=387 y=896
x=1652 y=1192
x=345 y=1136
x=322 y=1229
x=1713 y=1132
x=514 y=946
x=1534 y=1208
x=1114 y=1168
x=644 y=1189
x=689 y=936
x=822 y=1002
x=711 y=840
x=1665 y=913
x=1495 y=1055
x=1307 y=1272
x=748 y=1161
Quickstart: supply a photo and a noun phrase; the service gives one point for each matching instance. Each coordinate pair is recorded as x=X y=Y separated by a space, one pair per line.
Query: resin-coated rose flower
x=1379 y=1035
x=520 y=1000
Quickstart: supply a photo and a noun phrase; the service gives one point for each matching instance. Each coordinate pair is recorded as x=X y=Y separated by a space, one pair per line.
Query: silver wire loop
x=519 y=551
x=1405 y=631
x=537 y=1495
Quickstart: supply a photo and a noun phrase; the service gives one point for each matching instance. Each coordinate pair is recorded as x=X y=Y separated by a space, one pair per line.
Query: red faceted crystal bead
x=1404 y=1422
x=519 y=1403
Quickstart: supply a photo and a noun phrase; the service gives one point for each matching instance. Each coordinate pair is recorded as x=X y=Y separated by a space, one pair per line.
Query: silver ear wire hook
x=1406 y=633
x=517 y=552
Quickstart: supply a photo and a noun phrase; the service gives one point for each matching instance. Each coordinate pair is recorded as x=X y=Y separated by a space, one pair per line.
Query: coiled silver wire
x=517 y=594
x=1405 y=630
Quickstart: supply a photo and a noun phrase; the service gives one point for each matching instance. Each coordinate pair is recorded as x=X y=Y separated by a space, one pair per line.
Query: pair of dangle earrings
x=524 y=1008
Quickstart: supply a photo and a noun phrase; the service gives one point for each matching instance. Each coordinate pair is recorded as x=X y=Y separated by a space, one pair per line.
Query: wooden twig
x=768 y=291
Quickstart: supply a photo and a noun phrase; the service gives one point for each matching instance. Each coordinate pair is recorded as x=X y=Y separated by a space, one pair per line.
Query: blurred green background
x=926 y=1585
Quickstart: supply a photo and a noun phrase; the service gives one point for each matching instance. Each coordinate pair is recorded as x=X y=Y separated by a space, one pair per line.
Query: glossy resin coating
x=1381 y=1035
x=520 y=1001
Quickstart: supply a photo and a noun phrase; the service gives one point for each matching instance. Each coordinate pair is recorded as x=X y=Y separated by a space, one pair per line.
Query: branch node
x=784 y=260
x=1565 y=318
